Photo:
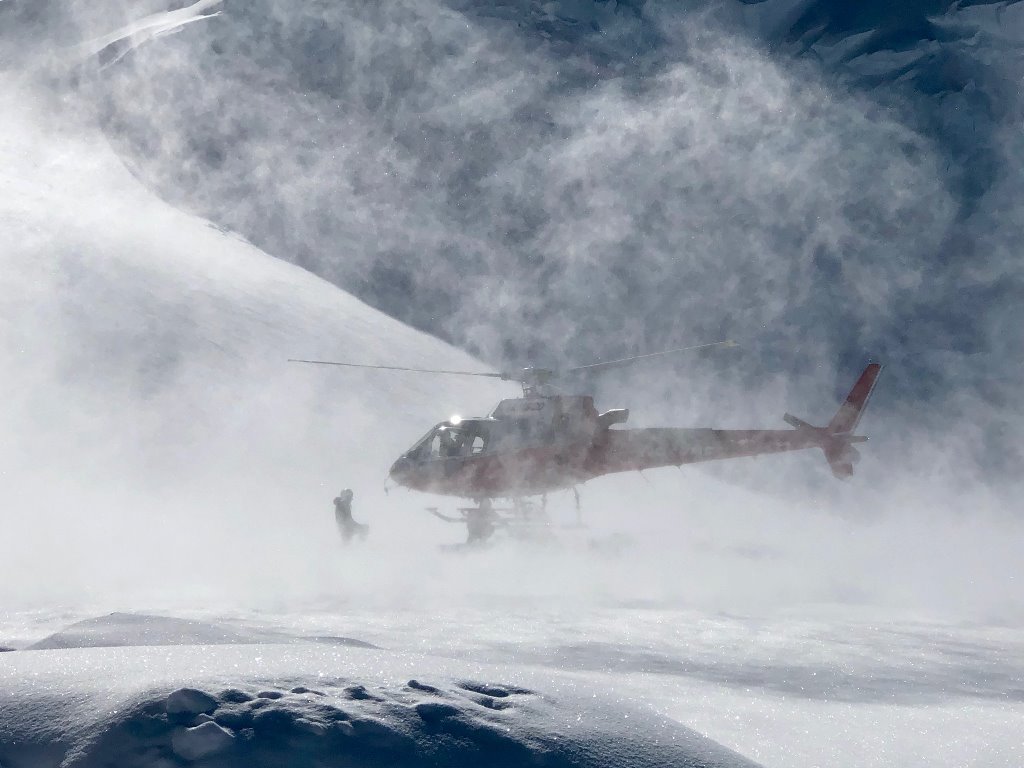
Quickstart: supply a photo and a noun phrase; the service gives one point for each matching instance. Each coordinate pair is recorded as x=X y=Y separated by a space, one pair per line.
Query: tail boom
x=638 y=449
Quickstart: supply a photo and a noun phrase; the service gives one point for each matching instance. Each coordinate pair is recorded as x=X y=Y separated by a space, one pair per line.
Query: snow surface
x=601 y=681
x=304 y=705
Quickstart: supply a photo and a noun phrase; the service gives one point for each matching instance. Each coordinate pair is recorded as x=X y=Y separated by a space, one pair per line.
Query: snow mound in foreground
x=319 y=705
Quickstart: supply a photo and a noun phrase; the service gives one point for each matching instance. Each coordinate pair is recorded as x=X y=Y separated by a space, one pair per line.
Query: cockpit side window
x=428 y=446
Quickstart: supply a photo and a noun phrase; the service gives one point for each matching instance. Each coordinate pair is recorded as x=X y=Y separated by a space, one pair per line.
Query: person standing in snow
x=347 y=526
x=481 y=523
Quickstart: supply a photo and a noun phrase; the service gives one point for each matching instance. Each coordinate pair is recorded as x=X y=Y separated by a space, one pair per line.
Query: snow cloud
x=548 y=183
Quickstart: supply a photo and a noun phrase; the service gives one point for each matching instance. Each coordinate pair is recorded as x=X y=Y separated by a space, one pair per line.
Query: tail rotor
x=837 y=438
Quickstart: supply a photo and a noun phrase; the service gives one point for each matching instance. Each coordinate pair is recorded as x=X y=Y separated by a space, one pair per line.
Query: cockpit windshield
x=447 y=441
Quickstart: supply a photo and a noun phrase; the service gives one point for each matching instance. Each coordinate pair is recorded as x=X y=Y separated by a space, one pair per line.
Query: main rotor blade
x=628 y=360
x=504 y=376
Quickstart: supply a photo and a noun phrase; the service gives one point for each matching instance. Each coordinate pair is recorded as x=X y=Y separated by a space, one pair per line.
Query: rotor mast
x=535 y=381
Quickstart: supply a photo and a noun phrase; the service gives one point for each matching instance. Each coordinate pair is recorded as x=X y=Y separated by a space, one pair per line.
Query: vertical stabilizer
x=848 y=416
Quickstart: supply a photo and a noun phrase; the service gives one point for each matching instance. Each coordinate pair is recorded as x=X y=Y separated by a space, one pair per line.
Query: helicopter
x=546 y=441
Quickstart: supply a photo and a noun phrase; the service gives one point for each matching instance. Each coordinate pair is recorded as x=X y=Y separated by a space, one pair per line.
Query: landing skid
x=524 y=519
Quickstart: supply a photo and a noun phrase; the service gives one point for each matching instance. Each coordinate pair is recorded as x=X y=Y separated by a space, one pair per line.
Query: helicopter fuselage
x=545 y=442
x=536 y=444
x=536 y=469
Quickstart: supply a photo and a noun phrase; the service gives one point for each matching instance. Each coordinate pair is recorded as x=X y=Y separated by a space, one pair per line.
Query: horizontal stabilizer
x=796 y=423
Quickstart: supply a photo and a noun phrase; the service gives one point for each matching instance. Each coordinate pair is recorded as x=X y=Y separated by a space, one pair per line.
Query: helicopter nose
x=400 y=468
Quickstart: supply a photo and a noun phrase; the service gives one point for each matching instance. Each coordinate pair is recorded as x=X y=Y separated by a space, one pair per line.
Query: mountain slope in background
x=147 y=397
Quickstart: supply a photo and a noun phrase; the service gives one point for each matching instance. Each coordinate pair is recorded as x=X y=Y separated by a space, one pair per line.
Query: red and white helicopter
x=545 y=441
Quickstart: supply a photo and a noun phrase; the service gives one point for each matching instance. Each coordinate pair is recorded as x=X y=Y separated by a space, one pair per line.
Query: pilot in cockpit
x=451 y=443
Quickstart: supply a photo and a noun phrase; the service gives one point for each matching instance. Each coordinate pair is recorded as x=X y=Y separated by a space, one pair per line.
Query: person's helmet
x=346 y=495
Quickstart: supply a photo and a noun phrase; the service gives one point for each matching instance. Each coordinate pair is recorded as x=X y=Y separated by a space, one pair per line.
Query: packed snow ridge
x=416 y=724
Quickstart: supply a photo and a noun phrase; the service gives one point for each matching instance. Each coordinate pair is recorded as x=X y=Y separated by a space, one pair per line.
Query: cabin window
x=478 y=444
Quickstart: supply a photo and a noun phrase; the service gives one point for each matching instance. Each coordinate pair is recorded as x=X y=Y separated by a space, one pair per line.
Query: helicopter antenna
x=503 y=376
x=627 y=360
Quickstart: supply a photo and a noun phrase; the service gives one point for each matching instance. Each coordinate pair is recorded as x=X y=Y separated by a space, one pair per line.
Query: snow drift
x=309 y=705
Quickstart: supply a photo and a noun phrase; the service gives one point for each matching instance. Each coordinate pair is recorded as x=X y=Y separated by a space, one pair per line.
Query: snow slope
x=147 y=394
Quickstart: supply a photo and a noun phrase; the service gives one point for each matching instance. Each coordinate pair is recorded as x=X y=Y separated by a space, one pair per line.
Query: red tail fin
x=848 y=416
